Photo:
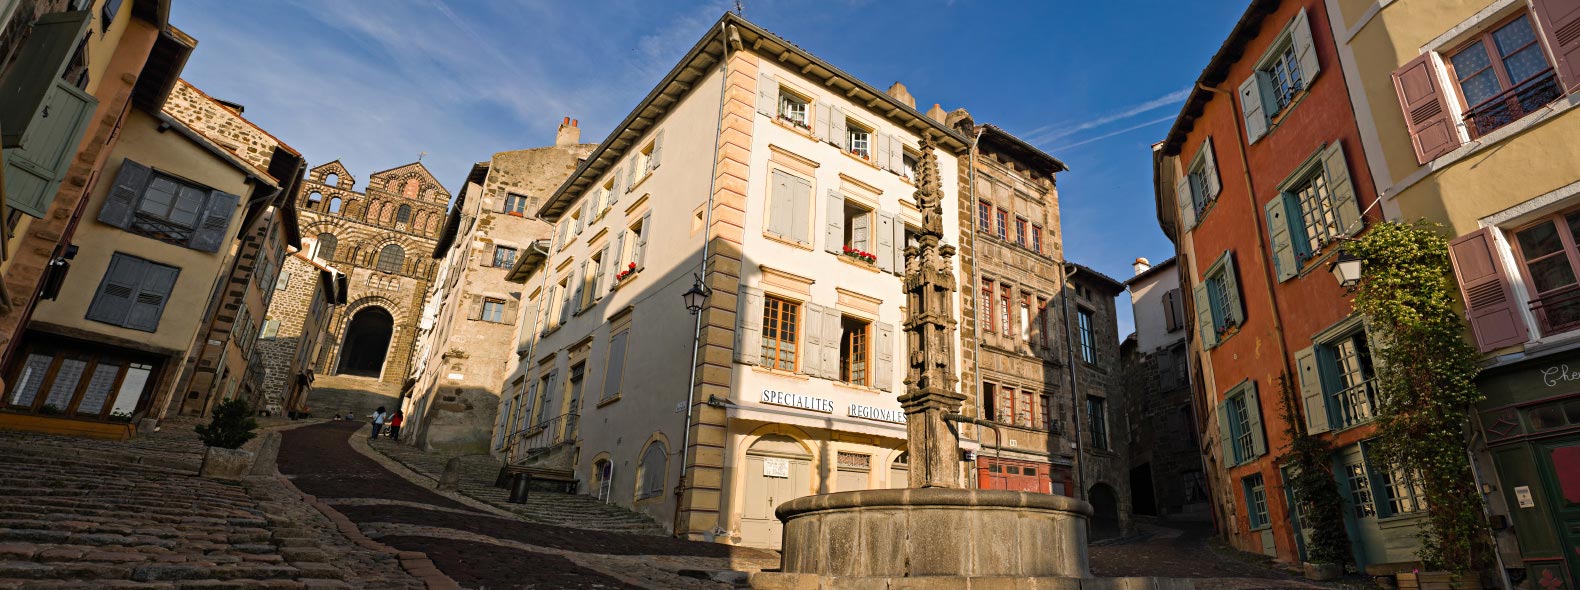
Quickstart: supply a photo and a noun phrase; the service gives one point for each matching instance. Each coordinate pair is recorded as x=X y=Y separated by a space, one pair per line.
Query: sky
x=380 y=83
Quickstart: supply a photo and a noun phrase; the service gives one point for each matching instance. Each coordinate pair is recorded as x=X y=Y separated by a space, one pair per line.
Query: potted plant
x=861 y=255
x=49 y=410
x=230 y=427
x=622 y=275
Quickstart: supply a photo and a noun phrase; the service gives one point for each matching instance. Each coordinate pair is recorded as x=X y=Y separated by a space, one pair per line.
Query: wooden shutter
x=117 y=290
x=1305 y=47
x=834 y=227
x=512 y=308
x=881 y=143
x=749 y=326
x=838 y=129
x=822 y=128
x=1187 y=204
x=1315 y=400
x=631 y=176
x=832 y=332
x=898 y=241
x=1495 y=316
x=1226 y=436
x=121 y=204
x=1169 y=319
x=812 y=339
x=801 y=210
x=1210 y=171
x=601 y=275
x=883 y=246
x=1345 y=202
x=1253 y=108
x=577 y=288
x=34 y=171
x=615 y=370
x=1426 y=108
x=474 y=307
x=39 y=64
x=213 y=228
x=896 y=155
x=640 y=254
x=1204 y=324
x=658 y=148
x=1285 y=265
x=619 y=182
x=282 y=282
x=781 y=206
x=884 y=353
x=1253 y=412
x=529 y=320
x=153 y=292
x=618 y=258
x=1560 y=25
x=1231 y=283
x=767 y=95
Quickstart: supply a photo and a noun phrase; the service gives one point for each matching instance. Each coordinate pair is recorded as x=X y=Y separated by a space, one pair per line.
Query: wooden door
x=1360 y=507
x=1559 y=462
x=771 y=481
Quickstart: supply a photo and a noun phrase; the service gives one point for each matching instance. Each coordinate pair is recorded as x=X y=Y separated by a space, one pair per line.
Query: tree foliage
x=1311 y=480
x=231 y=426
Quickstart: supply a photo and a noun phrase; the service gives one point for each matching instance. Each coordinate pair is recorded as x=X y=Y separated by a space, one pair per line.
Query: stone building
x=289 y=343
x=466 y=344
x=379 y=237
x=1166 y=477
x=1091 y=329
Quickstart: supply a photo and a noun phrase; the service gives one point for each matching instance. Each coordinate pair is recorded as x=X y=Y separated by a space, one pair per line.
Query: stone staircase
x=70 y=521
x=478 y=473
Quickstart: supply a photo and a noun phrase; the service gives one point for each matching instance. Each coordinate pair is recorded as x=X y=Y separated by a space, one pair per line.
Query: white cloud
x=1048 y=133
x=1114 y=133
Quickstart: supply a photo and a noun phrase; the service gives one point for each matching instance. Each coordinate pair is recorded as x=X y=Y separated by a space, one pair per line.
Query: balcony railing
x=1558 y=311
x=161 y=229
x=543 y=436
x=1513 y=104
x=1358 y=403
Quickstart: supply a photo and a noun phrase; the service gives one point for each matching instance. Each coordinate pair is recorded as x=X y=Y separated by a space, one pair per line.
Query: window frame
x=985 y=216
x=1254 y=487
x=777 y=360
x=1021 y=226
x=1005 y=298
x=1570 y=249
x=1085 y=323
x=786 y=95
x=854 y=131
x=989 y=292
x=852 y=343
x=1097 y=421
x=494 y=304
x=510 y=261
x=1495 y=60
x=1036 y=238
x=1003 y=224
x=516 y=204
x=399 y=265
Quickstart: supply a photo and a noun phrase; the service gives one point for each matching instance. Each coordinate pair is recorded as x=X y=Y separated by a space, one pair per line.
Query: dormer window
x=793 y=110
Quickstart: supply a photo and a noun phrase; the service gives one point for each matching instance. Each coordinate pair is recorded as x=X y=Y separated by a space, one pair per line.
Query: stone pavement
x=480 y=546
x=1187 y=553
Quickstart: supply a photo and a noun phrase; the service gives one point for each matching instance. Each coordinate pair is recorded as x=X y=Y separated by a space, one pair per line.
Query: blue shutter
x=117 y=290
x=213 y=227
x=158 y=281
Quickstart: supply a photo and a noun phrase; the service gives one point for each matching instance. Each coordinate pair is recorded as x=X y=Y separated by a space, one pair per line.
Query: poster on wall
x=776 y=467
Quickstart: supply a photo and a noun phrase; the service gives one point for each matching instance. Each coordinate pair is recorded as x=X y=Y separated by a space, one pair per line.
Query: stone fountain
x=936 y=533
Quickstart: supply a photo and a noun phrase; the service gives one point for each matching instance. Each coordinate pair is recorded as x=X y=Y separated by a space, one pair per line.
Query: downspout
x=707 y=242
x=976 y=281
x=1075 y=393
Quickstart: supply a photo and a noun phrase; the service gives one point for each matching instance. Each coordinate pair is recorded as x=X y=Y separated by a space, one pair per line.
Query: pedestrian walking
x=378 y=422
x=395 y=424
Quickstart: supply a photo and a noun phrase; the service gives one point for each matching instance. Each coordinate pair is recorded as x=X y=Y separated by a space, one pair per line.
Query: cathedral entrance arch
x=367 y=342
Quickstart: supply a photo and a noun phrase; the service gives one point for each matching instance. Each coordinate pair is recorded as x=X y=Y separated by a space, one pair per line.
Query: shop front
x=68 y=386
x=1021 y=475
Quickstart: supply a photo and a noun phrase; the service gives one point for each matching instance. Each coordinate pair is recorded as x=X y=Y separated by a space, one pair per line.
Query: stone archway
x=367 y=342
x=1105 y=511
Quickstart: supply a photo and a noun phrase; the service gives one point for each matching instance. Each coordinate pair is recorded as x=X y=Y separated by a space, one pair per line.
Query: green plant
x=120 y=417
x=49 y=410
x=1425 y=372
x=1311 y=480
x=231 y=426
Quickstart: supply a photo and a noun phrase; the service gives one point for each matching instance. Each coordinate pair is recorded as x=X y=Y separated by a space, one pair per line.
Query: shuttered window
x=1240 y=425
x=1255 y=501
x=1282 y=74
x=1503 y=75
x=166 y=208
x=1218 y=302
x=789 y=205
x=133 y=293
x=614 y=373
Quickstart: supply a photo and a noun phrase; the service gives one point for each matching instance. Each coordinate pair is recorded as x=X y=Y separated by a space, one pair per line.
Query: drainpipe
x=1075 y=393
x=976 y=279
x=696 y=331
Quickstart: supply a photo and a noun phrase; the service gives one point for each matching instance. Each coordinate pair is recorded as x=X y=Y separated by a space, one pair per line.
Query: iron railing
x=540 y=437
x=1512 y=104
x=1358 y=403
x=161 y=229
x=1557 y=312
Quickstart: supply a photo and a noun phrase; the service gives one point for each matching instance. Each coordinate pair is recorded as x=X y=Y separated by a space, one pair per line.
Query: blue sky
x=376 y=82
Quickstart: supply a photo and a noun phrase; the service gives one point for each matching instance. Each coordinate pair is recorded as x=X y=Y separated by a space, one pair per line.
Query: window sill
x=1472 y=147
x=1400 y=520
x=611 y=400
x=781 y=373
x=867 y=266
x=806 y=131
x=854 y=387
x=1275 y=121
x=1260 y=528
x=788 y=241
x=645 y=175
x=618 y=283
x=867 y=161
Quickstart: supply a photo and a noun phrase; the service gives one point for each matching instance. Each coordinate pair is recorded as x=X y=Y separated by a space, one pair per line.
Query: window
x=1203 y=181
x=615 y=372
x=1287 y=68
x=1255 y=501
x=1240 y=425
x=1036 y=238
x=854 y=353
x=314 y=198
x=515 y=204
x=1503 y=75
x=1360 y=487
x=985 y=215
x=334 y=204
x=1097 y=417
x=1315 y=207
x=1042 y=323
x=1354 y=396
x=1547 y=251
x=1003 y=311
x=391 y=258
x=793 y=110
x=1403 y=492
x=133 y=293
x=858 y=227
x=1003 y=224
x=1026 y=409
x=989 y=401
x=1005 y=404
x=1318 y=215
x=644 y=164
x=169 y=208
x=651 y=472
x=504 y=256
x=50 y=378
x=1046 y=414
x=1020 y=231
x=403 y=214
x=780 y=325
x=493 y=311
x=789 y=206
x=987 y=306
x=1025 y=317
x=908 y=165
x=858 y=140
x=635 y=246
x=1284 y=79
x=1218 y=302
x=1088 y=339
x=578 y=377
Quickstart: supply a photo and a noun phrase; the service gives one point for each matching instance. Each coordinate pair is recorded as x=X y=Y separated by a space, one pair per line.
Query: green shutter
x=1186 y=203
x=34 y=171
x=1305 y=49
x=1313 y=397
x=34 y=75
x=1210 y=171
x=1285 y=264
x=1226 y=435
x=1348 y=211
x=1255 y=110
x=1253 y=411
x=1204 y=323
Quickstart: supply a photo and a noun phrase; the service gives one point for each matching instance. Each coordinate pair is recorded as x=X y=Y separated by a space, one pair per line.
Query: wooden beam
x=784 y=55
x=807 y=68
x=758 y=44
x=852 y=91
x=830 y=81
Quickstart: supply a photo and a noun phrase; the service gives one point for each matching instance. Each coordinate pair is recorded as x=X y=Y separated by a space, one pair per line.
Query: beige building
x=785 y=383
x=466 y=342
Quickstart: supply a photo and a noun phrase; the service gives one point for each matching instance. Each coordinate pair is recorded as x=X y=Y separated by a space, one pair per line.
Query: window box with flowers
x=629 y=271
x=861 y=255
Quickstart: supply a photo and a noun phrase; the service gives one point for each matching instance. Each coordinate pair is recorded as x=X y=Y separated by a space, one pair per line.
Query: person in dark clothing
x=395 y=424
x=378 y=422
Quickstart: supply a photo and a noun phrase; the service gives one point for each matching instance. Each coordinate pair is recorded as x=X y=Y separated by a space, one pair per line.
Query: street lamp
x=1346 y=268
x=695 y=296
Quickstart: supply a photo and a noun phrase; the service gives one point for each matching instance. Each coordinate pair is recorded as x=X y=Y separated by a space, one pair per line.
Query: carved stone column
x=932 y=442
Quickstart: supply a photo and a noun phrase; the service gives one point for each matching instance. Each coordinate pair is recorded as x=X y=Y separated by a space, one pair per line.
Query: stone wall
x=1162 y=433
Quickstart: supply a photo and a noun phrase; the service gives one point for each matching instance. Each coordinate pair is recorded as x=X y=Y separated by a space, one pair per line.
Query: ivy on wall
x=1316 y=491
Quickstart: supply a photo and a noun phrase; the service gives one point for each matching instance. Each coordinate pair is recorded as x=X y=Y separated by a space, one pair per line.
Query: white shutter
x=1254 y=109
x=884 y=349
x=834 y=227
x=1305 y=49
x=749 y=326
x=884 y=247
x=1211 y=170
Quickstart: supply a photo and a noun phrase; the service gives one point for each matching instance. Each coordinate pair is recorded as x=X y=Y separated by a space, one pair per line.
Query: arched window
x=650 y=473
x=313 y=199
x=403 y=214
x=332 y=179
x=326 y=246
x=391 y=257
x=334 y=205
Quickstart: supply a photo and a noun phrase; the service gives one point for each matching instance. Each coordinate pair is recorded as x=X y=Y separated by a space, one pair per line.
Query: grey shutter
x=1254 y=109
x=749 y=326
x=1253 y=410
x=117 y=290
x=153 y=293
x=1311 y=394
x=881 y=140
x=1347 y=208
x=781 y=206
x=1211 y=171
x=812 y=326
x=1305 y=50
x=25 y=89
x=617 y=259
x=658 y=148
x=600 y=286
x=474 y=304
x=1285 y=265
x=1204 y=325
x=834 y=228
x=33 y=172
x=121 y=204
x=610 y=198
x=832 y=333
x=213 y=228
x=615 y=370
x=574 y=289
x=898 y=242
x=861 y=232
x=884 y=343
x=884 y=246
x=1187 y=203
x=837 y=130
x=639 y=252
x=1232 y=284
x=801 y=210
x=581 y=218
x=529 y=320
x=631 y=176
x=549 y=297
x=767 y=94
x=1226 y=435
x=825 y=118
x=529 y=406
x=896 y=155
x=283 y=282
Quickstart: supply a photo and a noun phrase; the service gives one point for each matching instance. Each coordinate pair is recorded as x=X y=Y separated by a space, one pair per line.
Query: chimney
x=1142 y=265
x=569 y=133
x=937 y=113
x=899 y=92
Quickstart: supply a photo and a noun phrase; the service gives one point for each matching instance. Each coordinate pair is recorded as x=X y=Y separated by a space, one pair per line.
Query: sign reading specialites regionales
x=796 y=400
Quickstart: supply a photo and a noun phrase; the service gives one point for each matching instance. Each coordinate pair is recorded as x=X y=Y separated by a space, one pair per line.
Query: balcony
x=1557 y=312
x=1357 y=403
x=541 y=438
x=1513 y=104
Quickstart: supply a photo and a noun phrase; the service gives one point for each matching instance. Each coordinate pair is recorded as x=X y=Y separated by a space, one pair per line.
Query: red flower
x=632 y=266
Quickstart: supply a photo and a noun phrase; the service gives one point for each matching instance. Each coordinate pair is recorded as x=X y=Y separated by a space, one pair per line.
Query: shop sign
x=776 y=467
x=1558 y=375
x=879 y=414
x=796 y=400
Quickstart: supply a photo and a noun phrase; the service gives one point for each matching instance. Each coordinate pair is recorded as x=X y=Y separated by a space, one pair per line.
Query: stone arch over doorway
x=365 y=345
x=1105 y=510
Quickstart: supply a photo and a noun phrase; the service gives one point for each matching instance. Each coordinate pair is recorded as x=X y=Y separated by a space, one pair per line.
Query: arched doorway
x=366 y=343
x=1105 y=511
x=778 y=470
x=603 y=479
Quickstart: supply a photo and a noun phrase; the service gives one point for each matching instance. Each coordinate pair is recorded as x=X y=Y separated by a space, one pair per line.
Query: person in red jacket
x=395 y=424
